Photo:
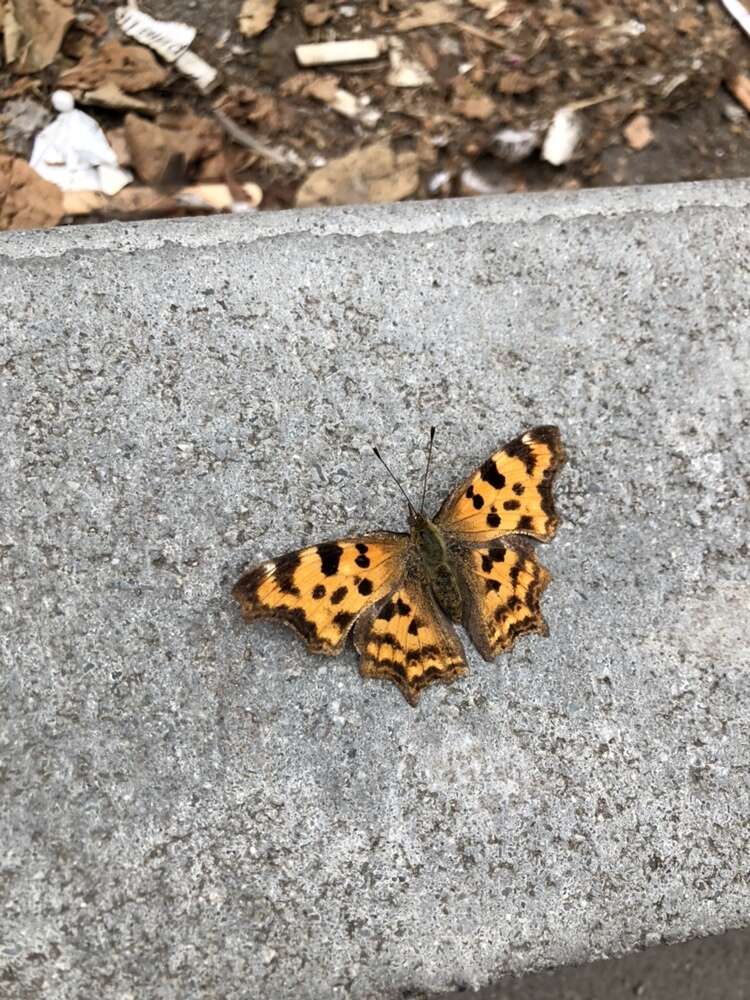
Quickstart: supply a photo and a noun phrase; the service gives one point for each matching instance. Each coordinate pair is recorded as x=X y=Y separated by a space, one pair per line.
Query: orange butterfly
x=470 y=564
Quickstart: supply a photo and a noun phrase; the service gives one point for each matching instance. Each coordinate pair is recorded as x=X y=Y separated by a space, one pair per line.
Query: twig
x=248 y=140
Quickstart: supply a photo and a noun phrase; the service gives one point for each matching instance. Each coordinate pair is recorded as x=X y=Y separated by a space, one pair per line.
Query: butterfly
x=400 y=592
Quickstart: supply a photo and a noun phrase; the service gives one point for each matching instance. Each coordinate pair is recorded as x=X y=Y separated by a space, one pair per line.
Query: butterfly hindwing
x=408 y=640
x=321 y=590
x=501 y=584
x=510 y=492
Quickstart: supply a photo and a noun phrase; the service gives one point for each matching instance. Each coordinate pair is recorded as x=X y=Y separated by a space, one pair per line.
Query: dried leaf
x=638 y=132
x=425 y=15
x=157 y=149
x=131 y=68
x=372 y=174
x=739 y=86
x=41 y=27
x=255 y=16
x=20 y=86
x=27 y=201
x=109 y=95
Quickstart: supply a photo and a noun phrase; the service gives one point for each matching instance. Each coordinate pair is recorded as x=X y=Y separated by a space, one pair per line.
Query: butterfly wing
x=501 y=586
x=511 y=492
x=408 y=640
x=321 y=590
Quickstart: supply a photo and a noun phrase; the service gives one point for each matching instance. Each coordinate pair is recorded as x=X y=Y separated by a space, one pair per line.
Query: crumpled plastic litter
x=73 y=152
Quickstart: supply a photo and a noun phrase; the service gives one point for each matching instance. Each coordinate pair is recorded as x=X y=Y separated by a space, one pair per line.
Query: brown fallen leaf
x=184 y=141
x=38 y=27
x=739 y=87
x=109 y=95
x=255 y=16
x=27 y=201
x=131 y=68
x=638 y=133
x=20 y=86
x=425 y=15
x=374 y=173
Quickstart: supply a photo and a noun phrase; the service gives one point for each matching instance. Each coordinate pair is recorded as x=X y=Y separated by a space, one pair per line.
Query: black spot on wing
x=517 y=449
x=492 y=584
x=490 y=474
x=365 y=587
x=330 y=556
x=478 y=501
x=362 y=561
x=319 y=591
x=414 y=626
x=525 y=523
x=402 y=607
x=387 y=611
x=511 y=505
x=343 y=619
x=339 y=594
x=493 y=520
x=284 y=573
x=518 y=489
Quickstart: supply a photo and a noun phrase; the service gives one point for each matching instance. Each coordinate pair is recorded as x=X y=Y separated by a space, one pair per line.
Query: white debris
x=739 y=12
x=562 y=137
x=405 y=72
x=171 y=40
x=73 y=152
x=514 y=145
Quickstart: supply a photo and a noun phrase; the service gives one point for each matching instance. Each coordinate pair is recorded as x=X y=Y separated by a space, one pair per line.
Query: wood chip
x=516 y=82
x=426 y=15
x=351 y=50
x=255 y=16
x=372 y=174
x=27 y=201
x=316 y=14
x=739 y=87
x=638 y=132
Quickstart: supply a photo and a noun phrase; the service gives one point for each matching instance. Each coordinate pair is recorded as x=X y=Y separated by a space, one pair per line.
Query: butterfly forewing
x=510 y=492
x=321 y=590
x=408 y=640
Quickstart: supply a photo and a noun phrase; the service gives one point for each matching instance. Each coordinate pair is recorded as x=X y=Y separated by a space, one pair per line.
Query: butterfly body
x=471 y=564
x=432 y=549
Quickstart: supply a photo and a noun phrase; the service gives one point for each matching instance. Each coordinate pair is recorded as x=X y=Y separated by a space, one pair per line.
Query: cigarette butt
x=353 y=50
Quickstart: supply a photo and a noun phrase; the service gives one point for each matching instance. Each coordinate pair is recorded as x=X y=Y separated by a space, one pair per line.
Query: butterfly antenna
x=427 y=469
x=388 y=470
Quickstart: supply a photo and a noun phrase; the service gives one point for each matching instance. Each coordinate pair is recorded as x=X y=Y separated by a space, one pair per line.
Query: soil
x=490 y=65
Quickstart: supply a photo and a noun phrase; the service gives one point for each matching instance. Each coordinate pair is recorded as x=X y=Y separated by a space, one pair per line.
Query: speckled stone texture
x=193 y=807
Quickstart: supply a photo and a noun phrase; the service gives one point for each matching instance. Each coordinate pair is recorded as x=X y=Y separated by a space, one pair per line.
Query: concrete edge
x=361 y=220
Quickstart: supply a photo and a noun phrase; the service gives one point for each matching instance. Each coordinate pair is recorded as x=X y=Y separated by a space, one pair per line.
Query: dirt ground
x=712 y=968
x=457 y=101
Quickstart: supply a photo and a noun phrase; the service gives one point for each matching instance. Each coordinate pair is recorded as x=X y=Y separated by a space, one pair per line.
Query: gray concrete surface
x=194 y=807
